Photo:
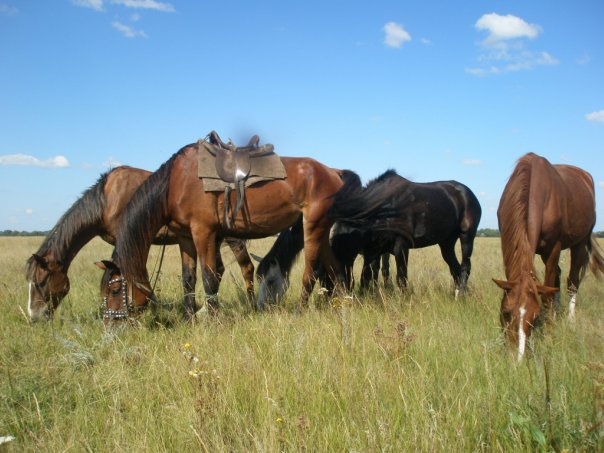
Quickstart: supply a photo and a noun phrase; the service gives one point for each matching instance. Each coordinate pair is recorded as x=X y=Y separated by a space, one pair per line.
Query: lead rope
x=161 y=260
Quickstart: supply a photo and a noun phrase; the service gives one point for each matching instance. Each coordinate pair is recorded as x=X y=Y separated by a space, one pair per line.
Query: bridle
x=128 y=308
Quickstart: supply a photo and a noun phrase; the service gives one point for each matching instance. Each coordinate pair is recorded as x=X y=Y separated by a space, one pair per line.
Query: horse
x=97 y=213
x=175 y=195
x=414 y=215
x=430 y=213
x=543 y=210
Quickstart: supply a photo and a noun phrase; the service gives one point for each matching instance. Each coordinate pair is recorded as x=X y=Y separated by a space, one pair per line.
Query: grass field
x=389 y=372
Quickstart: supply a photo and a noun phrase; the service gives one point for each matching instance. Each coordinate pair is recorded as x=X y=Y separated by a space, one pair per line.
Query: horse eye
x=115 y=292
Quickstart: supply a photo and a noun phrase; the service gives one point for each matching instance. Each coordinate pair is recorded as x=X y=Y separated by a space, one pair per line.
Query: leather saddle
x=233 y=165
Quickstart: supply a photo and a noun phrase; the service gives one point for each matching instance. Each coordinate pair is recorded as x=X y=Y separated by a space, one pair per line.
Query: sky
x=436 y=90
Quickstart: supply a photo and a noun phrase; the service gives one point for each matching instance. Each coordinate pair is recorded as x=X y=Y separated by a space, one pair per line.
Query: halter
x=127 y=308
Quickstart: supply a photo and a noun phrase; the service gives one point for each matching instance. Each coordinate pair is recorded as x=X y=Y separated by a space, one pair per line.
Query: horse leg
x=447 y=250
x=247 y=266
x=579 y=258
x=188 y=256
x=385 y=258
x=207 y=251
x=316 y=247
x=467 y=247
x=551 y=277
x=370 y=271
x=401 y=257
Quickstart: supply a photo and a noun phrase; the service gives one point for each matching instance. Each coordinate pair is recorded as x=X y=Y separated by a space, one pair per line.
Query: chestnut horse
x=96 y=213
x=175 y=195
x=544 y=209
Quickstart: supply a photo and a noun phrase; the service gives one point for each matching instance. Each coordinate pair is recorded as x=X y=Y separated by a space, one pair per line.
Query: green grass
x=389 y=372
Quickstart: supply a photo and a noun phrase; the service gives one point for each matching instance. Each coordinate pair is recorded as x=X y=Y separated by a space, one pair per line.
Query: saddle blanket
x=263 y=168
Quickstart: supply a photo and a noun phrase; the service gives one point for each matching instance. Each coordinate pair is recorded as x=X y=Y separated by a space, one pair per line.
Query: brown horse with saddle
x=176 y=195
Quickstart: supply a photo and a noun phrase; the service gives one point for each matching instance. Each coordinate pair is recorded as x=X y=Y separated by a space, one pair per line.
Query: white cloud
x=396 y=35
x=504 y=49
x=596 y=117
x=96 y=5
x=128 y=31
x=146 y=4
x=502 y=28
x=27 y=160
x=600 y=184
x=472 y=162
x=426 y=41
x=29 y=211
x=8 y=9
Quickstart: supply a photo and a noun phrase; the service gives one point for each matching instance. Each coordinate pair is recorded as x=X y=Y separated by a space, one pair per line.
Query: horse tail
x=597 y=257
x=143 y=217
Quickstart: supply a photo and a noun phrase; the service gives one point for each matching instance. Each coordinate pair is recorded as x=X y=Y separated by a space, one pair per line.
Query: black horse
x=418 y=215
x=440 y=212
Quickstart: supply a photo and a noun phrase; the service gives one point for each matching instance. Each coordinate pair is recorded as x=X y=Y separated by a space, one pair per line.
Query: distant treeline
x=23 y=233
x=482 y=233
x=492 y=233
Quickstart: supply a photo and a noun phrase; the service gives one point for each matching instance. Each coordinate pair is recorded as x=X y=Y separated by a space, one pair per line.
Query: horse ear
x=107 y=265
x=506 y=286
x=41 y=261
x=547 y=290
x=147 y=291
x=256 y=257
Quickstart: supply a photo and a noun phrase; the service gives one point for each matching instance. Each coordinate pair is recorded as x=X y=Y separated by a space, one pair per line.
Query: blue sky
x=434 y=89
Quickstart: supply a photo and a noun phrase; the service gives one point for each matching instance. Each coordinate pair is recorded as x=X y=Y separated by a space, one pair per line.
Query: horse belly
x=269 y=209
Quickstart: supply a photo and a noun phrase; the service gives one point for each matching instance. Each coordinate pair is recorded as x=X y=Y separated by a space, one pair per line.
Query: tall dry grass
x=388 y=372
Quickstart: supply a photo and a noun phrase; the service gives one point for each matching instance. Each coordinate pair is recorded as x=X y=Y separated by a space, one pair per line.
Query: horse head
x=48 y=285
x=272 y=281
x=121 y=298
x=521 y=308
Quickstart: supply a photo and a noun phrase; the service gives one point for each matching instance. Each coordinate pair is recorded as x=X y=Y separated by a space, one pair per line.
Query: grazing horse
x=175 y=195
x=425 y=214
x=274 y=268
x=96 y=213
x=543 y=210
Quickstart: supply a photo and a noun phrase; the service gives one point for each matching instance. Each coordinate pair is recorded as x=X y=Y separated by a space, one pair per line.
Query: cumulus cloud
x=128 y=31
x=396 y=35
x=472 y=162
x=596 y=117
x=504 y=49
x=31 y=161
x=501 y=28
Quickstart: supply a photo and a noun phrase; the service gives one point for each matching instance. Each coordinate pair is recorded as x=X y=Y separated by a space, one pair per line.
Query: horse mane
x=75 y=227
x=366 y=207
x=144 y=215
x=286 y=248
x=515 y=245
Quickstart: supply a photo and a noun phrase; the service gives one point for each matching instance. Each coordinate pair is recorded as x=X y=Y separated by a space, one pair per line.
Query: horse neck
x=78 y=226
